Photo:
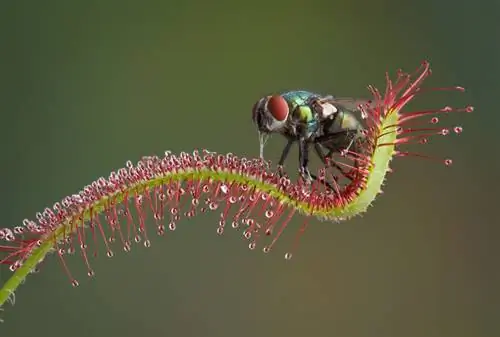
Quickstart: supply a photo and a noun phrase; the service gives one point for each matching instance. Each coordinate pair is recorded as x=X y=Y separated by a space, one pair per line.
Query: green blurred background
x=85 y=86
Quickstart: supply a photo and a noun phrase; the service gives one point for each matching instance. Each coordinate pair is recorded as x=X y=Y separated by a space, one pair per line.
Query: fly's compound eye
x=277 y=110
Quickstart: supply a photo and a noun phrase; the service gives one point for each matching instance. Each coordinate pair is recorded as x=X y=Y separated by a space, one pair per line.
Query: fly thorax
x=307 y=119
x=304 y=114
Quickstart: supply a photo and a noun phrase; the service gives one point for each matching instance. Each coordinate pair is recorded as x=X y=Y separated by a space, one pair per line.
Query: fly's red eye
x=278 y=107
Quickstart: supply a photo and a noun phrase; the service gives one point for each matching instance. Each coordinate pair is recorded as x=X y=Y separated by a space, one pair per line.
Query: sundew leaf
x=250 y=195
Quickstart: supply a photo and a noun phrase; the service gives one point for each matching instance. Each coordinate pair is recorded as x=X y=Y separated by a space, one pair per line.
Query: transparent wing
x=350 y=103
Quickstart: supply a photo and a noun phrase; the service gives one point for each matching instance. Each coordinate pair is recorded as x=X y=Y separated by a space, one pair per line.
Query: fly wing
x=353 y=104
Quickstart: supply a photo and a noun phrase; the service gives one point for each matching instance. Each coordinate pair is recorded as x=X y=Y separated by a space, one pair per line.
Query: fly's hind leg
x=352 y=147
x=329 y=163
x=324 y=182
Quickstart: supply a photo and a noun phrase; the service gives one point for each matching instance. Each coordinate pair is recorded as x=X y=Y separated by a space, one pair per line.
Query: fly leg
x=331 y=151
x=321 y=155
x=327 y=162
x=324 y=182
x=284 y=155
x=304 y=171
x=304 y=160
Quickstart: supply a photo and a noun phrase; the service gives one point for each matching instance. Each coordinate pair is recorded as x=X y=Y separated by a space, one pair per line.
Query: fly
x=325 y=122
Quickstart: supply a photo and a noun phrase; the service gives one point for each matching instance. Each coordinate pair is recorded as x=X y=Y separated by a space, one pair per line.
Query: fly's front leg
x=304 y=160
x=284 y=155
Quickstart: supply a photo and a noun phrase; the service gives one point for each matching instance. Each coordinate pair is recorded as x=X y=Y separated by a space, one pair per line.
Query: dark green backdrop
x=85 y=86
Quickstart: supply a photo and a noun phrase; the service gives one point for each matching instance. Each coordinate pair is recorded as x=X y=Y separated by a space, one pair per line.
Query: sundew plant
x=151 y=196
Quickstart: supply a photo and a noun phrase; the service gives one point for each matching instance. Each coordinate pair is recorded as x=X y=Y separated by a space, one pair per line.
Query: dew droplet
x=137 y=238
x=269 y=214
x=247 y=235
x=109 y=253
x=195 y=202
x=434 y=120
x=139 y=199
x=266 y=249
x=172 y=226
x=90 y=273
x=448 y=162
x=147 y=243
x=235 y=224
x=213 y=206
x=75 y=283
x=126 y=247
x=288 y=256
x=423 y=141
x=252 y=245
x=458 y=129
x=220 y=230
x=444 y=132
